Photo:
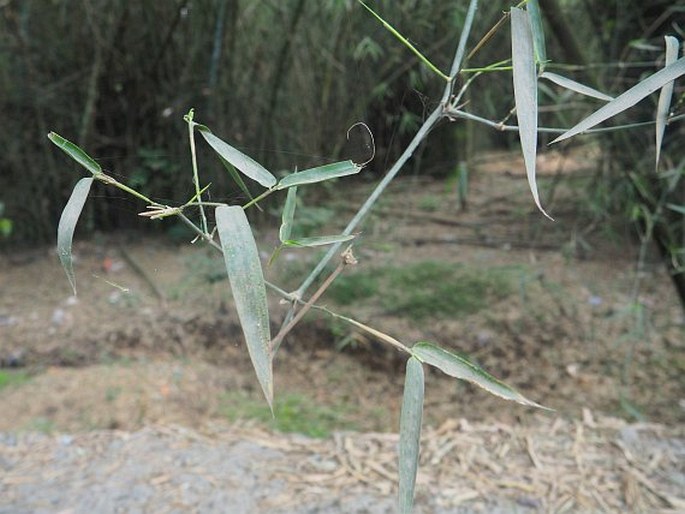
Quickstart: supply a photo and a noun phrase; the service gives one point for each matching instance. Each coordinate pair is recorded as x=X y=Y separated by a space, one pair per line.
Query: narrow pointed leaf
x=318 y=241
x=288 y=215
x=236 y=178
x=665 y=97
x=628 y=99
x=525 y=94
x=677 y=208
x=405 y=42
x=458 y=367
x=244 y=163
x=249 y=292
x=538 y=31
x=67 y=225
x=199 y=194
x=76 y=153
x=576 y=87
x=319 y=174
x=410 y=433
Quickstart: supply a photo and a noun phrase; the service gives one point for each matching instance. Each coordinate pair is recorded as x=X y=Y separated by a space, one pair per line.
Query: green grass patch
x=348 y=289
x=13 y=378
x=434 y=289
x=292 y=413
x=428 y=289
x=429 y=203
x=41 y=424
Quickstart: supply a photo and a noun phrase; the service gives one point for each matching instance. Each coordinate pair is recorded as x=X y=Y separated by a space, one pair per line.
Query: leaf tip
x=558 y=139
x=544 y=212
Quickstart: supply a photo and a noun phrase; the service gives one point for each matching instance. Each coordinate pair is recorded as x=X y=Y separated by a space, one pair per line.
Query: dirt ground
x=152 y=339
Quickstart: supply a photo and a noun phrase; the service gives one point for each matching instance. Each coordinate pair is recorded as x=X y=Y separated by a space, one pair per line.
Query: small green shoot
x=406 y=43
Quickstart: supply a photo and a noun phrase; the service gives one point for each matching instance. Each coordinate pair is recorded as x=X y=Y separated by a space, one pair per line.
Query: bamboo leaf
x=198 y=194
x=538 y=31
x=75 y=153
x=288 y=215
x=406 y=43
x=236 y=177
x=665 y=97
x=319 y=174
x=525 y=94
x=249 y=292
x=410 y=433
x=576 y=87
x=677 y=208
x=627 y=99
x=318 y=241
x=244 y=163
x=458 y=367
x=67 y=225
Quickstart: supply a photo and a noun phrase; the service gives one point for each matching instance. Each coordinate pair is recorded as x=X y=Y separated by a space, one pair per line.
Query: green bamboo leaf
x=677 y=208
x=627 y=99
x=406 y=43
x=319 y=174
x=410 y=433
x=576 y=87
x=458 y=367
x=236 y=178
x=75 y=153
x=318 y=241
x=538 y=31
x=525 y=94
x=67 y=225
x=198 y=194
x=288 y=215
x=244 y=163
x=249 y=292
x=665 y=97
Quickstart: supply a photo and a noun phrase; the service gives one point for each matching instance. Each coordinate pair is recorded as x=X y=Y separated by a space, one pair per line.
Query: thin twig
x=276 y=341
x=457 y=113
x=421 y=134
x=196 y=178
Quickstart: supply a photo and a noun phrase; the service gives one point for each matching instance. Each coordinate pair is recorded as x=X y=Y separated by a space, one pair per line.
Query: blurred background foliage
x=283 y=80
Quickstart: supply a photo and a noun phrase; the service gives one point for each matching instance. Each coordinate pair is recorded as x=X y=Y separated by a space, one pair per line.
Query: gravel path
x=159 y=471
x=558 y=465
